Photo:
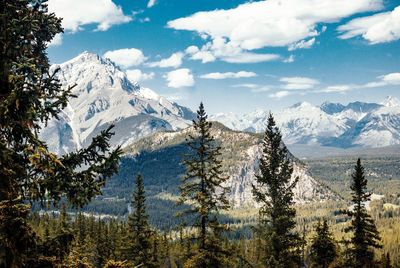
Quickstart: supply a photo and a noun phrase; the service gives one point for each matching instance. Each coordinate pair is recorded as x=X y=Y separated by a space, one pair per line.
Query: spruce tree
x=30 y=95
x=202 y=188
x=274 y=192
x=365 y=237
x=139 y=231
x=323 y=248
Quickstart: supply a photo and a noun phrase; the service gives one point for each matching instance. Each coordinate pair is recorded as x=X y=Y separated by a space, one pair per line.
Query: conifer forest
x=137 y=191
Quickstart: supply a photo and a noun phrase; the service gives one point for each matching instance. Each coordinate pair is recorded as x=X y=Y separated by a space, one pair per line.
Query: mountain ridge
x=357 y=124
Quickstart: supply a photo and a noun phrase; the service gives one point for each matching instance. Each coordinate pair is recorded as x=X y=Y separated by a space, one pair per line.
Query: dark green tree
x=323 y=248
x=202 y=188
x=29 y=96
x=365 y=237
x=274 y=192
x=139 y=230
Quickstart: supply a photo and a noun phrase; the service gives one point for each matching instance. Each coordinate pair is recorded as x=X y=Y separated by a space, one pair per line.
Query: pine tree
x=29 y=96
x=365 y=237
x=323 y=248
x=139 y=231
x=202 y=187
x=274 y=192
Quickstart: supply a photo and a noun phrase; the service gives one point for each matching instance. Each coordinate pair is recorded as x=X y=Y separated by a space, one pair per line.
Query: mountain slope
x=331 y=124
x=105 y=96
x=162 y=153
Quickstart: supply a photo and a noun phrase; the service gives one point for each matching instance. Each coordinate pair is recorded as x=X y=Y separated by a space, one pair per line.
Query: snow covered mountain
x=105 y=96
x=331 y=124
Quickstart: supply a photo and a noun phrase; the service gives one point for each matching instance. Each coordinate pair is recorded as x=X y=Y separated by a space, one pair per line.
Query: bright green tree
x=202 y=188
x=274 y=192
x=323 y=249
x=30 y=95
x=365 y=237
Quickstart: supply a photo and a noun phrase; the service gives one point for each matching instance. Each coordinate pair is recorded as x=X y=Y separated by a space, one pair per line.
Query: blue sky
x=237 y=56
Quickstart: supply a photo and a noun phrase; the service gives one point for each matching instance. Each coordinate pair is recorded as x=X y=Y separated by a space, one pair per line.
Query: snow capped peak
x=89 y=57
x=391 y=101
x=302 y=105
x=106 y=96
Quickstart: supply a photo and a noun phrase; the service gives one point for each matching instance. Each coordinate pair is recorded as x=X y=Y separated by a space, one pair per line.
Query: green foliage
x=139 y=231
x=30 y=96
x=199 y=188
x=323 y=248
x=365 y=236
x=274 y=192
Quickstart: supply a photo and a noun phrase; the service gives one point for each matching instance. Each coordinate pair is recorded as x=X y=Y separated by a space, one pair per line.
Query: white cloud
x=379 y=28
x=273 y=23
x=255 y=88
x=175 y=60
x=126 y=57
x=295 y=83
x=303 y=44
x=392 y=78
x=280 y=94
x=246 y=85
x=77 y=13
x=151 y=3
x=219 y=48
x=336 y=89
x=57 y=40
x=290 y=59
x=382 y=81
x=180 y=78
x=218 y=75
x=137 y=75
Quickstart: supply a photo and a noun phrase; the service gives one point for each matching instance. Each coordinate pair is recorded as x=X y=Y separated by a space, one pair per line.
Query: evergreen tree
x=365 y=237
x=274 y=192
x=323 y=248
x=30 y=96
x=202 y=187
x=139 y=231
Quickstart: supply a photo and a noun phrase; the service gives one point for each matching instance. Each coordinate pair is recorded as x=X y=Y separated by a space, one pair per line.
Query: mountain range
x=357 y=124
x=152 y=131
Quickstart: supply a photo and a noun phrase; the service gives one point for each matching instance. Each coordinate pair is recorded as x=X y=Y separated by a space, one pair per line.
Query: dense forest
x=41 y=193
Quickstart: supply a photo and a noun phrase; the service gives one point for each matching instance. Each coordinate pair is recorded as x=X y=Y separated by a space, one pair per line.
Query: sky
x=238 y=56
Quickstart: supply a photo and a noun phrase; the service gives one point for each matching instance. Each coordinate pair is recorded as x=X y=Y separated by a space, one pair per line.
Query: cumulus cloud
x=303 y=44
x=180 y=78
x=385 y=80
x=137 y=75
x=259 y=24
x=175 y=60
x=220 y=48
x=295 y=83
x=126 y=57
x=280 y=94
x=379 y=28
x=77 y=13
x=218 y=75
x=151 y=3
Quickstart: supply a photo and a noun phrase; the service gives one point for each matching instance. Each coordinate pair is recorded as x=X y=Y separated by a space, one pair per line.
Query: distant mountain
x=105 y=96
x=331 y=124
x=158 y=158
